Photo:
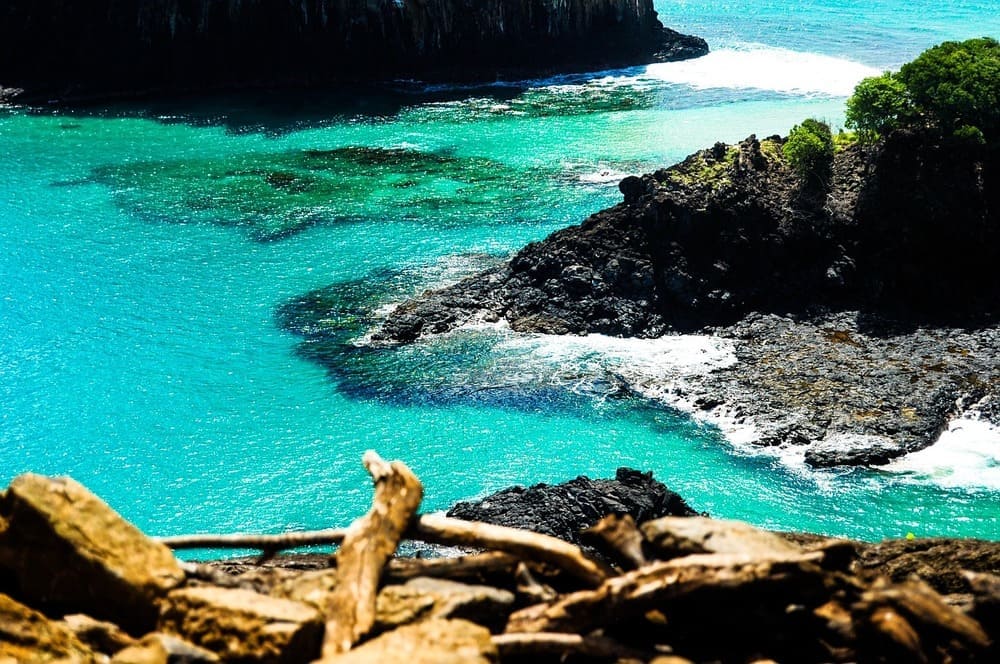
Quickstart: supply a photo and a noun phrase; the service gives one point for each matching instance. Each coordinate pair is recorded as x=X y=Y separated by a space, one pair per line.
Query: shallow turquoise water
x=148 y=255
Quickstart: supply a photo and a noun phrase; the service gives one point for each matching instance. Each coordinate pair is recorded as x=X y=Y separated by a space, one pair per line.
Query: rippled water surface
x=162 y=265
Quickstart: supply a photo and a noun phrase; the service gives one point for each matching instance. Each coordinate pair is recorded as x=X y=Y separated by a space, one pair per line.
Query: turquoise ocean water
x=154 y=259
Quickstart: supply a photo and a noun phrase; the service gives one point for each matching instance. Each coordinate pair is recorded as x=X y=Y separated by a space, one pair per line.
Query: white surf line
x=967 y=455
x=765 y=68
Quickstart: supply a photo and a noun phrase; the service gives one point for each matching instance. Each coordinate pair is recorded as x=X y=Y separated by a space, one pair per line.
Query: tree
x=878 y=105
x=809 y=150
x=958 y=84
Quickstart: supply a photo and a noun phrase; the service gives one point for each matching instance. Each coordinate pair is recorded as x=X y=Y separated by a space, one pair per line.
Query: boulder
x=99 y=635
x=429 y=642
x=164 y=649
x=423 y=598
x=28 y=636
x=67 y=551
x=673 y=536
x=244 y=626
x=564 y=510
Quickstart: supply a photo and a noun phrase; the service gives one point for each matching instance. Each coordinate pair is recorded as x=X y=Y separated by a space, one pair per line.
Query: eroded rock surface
x=65 y=550
x=28 y=636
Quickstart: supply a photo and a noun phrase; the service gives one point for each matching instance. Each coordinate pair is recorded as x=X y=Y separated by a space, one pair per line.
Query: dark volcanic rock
x=862 y=311
x=563 y=510
x=63 y=49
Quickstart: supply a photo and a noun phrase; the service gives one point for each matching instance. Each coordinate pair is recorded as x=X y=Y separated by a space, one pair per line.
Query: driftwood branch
x=368 y=544
x=561 y=645
x=261 y=542
x=534 y=546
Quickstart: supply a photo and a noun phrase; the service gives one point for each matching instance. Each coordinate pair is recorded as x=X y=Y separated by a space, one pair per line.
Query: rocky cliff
x=862 y=309
x=65 y=48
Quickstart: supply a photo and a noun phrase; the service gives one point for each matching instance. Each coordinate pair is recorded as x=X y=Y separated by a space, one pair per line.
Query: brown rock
x=680 y=536
x=423 y=598
x=68 y=552
x=28 y=636
x=164 y=649
x=429 y=642
x=98 y=635
x=311 y=587
x=244 y=626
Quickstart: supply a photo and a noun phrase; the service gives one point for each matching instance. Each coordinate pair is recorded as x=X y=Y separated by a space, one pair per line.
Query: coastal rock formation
x=566 y=510
x=59 y=49
x=687 y=583
x=862 y=309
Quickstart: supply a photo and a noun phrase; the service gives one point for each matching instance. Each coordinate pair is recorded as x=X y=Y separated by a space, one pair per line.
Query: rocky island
x=859 y=294
x=55 y=50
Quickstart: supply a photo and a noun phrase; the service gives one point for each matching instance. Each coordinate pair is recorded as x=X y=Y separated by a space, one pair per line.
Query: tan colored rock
x=98 y=635
x=680 y=536
x=240 y=625
x=424 y=597
x=69 y=552
x=429 y=642
x=164 y=649
x=28 y=636
x=311 y=587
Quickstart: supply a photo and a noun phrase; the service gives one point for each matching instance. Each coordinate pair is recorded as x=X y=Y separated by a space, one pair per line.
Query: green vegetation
x=954 y=87
x=809 y=150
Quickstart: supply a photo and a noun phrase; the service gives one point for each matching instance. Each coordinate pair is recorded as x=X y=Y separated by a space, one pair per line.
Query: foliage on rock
x=954 y=87
x=809 y=150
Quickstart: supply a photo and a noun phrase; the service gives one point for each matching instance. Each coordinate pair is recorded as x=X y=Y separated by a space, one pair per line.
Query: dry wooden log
x=475 y=567
x=929 y=614
x=533 y=546
x=529 y=587
x=674 y=536
x=368 y=544
x=560 y=644
x=268 y=543
x=619 y=537
x=636 y=592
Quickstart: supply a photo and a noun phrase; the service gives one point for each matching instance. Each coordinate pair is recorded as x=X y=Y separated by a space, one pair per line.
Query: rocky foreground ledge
x=61 y=50
x=861 y=311
x=79 y=584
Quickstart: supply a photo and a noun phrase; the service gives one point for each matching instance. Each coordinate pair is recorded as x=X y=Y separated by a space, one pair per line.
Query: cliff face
x=142 y=44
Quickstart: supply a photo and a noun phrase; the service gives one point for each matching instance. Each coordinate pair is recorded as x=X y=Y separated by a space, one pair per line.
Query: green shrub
x=878 y=105
x=954 y=86
x=809 y=150
x=957 y=84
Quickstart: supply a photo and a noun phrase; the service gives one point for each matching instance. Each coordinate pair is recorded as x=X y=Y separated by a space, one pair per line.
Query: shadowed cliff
x=59 y=49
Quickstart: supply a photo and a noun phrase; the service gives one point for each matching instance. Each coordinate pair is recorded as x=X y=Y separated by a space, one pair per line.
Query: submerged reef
x=58 y=50
x=863 y=306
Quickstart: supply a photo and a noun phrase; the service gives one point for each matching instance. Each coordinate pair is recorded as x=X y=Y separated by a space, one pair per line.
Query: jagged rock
x=859 y=327
x=673 y=536
x=424 y=598
x=28 y=636
x=67 y=551
x=98 y=635
x=135 y=46
x=939 y=562
x=240 y=625
x=565 y=510
x=164 y=649
x=433 y=641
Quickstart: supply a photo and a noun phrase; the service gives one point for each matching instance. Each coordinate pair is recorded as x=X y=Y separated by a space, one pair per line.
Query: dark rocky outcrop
x=565 y=510
x=862 y=310
x=59 y=49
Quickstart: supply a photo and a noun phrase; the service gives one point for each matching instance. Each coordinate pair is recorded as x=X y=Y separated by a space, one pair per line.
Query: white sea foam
x=765 y=68
x=966 y=455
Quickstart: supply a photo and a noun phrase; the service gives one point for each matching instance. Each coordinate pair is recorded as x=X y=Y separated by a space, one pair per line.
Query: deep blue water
x=149 y=253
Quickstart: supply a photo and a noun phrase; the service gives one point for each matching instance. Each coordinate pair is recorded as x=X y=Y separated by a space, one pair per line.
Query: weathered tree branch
x=261 y=542
x=368 y=544
x=534 y=546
